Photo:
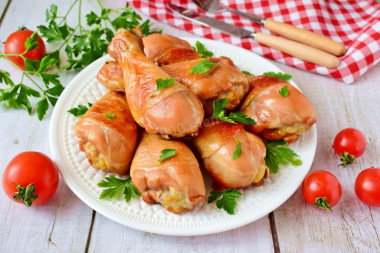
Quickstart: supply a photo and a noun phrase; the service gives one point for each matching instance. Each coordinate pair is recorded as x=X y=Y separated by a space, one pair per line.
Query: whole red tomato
x=349 y=144
x=321 y=189
x=30 y=178
x=15 y=44
x=367 y=186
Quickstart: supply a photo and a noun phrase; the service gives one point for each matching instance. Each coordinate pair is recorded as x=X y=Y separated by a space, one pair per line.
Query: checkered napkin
x=355 y=23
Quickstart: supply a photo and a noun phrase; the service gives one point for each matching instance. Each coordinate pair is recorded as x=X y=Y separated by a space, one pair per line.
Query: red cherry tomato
x=30 y=170
x=321 y=189
x=367 y=186
x=351 y=141
x=15 y=44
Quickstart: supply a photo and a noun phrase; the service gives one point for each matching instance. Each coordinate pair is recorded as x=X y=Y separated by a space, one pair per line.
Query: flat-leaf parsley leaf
x=234 y=117
x=166 y=154
x=79 y=110
x=282 y=76
x=161 y=83
x=117 y=186
x=202 y=50
x=284 y=91
x=225 y=199
x=278 y=154
x=237 y=152
x=110 y=115
x=203 y=66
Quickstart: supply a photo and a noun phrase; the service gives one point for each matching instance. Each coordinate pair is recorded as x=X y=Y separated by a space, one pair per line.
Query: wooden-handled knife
x=293 y=48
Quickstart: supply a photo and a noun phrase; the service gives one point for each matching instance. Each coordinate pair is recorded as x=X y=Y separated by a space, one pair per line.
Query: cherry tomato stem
x=321 y=189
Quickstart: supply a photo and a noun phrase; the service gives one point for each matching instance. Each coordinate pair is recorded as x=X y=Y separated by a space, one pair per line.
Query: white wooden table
x=66 y=224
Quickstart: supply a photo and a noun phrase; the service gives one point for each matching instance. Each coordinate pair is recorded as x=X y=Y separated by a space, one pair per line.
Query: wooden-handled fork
x=286 y=30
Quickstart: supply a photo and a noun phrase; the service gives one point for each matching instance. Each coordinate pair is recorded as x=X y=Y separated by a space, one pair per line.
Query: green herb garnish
x=278 y=154
x=203 y=66
x=110 y=115
x=225 y=199
x=202 y=50
x=282 y=76
x=237 y=152
x=234 y=117
x=161 y=83
x=117 y=186
x=166 y=153
x=79 y=110
x=284 y=91
x=81 y=44
x=247 y=73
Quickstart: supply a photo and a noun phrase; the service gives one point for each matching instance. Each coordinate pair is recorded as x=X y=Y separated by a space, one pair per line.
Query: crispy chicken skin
x=277 y=117
x=216 y=143
x=164 y=49
x=111 y=76
x=222 y=81
x=173 y=111
x=109 y=144
x=176 y=183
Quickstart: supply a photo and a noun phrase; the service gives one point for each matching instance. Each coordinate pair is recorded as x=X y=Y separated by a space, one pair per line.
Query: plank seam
x=276 y=244
x=4 y=12
x=90 y=231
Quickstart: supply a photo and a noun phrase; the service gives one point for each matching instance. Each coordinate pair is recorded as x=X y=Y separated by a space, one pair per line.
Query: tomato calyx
x=28 y=194
x=322 y=203
x=346 y=158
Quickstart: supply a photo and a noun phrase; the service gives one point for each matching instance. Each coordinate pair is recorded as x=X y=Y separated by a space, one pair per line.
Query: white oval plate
x=82 y=179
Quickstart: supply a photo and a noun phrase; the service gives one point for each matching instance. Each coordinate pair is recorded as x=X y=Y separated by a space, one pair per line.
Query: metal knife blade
x=210 y=22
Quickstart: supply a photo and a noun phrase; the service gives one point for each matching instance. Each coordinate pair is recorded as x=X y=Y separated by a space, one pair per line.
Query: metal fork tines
x=214 y=6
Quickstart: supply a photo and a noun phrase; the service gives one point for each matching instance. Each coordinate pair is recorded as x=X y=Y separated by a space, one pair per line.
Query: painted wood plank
x=352 y=226
x=63 y=223
x=255 y=236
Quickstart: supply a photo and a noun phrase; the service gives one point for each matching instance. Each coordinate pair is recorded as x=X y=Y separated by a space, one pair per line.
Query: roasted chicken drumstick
x=109 y=144
x=278 y=117
x=176 y=183
x=233 y=156
x=173 y=111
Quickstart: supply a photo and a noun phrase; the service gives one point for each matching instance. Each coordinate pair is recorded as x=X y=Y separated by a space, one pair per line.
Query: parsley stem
x=100 y=4
x=24 y=73
x=79 y=15
x=71 y=35
x=68 y=12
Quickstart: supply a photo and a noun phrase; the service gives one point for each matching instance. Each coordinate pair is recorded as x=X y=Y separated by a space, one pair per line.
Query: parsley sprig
x=247 y=73
x=284 y=91
x=116 y=186
x=234 y=117
x=282 y=76
x=162 y=83
x=110 y=115
x=166 y=154
x=237 y=152
x=48 y=88
x=225 y=199
x=84 y=43
x=278 y=154
x=203 y=66
x=79 y=110
x=202 y=50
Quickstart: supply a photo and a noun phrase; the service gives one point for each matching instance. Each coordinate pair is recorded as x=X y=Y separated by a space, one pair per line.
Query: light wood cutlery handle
x=298 y=50
x=305 y=36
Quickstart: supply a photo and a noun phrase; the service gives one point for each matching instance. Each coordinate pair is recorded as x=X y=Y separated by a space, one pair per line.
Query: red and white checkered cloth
x=355 y=23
